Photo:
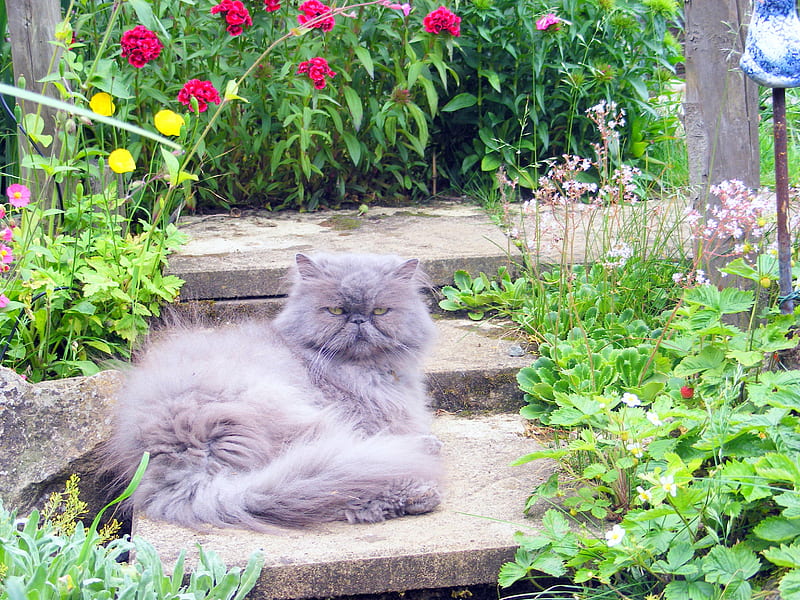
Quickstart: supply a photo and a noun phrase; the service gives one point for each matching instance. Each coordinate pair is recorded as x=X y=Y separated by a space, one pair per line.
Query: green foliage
x=50 y=561
x=705 y=485
x=365 y=134
x=82 y=285
x=524 y=92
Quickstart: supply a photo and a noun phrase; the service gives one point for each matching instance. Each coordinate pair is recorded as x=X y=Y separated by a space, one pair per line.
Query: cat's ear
x=408 y=270
x=306 y=267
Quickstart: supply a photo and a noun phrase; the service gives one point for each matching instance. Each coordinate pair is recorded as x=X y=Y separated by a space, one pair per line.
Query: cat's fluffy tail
x=329 y=479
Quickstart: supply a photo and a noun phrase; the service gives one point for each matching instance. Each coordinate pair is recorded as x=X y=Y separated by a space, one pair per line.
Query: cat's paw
x=424 y=501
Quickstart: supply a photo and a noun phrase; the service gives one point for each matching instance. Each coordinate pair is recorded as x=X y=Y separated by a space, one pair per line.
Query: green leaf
x=725 y=565
x=365 y=58
x=353 y=148
x=510 y=573
x=688 y=590
x=790 y=584
x=709 y=358
x=462 y=100
x=354 y=105
x=555 y=525
x=777 y=529
x=784 y=556
x=549 y=563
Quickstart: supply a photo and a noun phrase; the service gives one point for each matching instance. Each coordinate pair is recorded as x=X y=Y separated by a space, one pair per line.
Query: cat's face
x=359 y=307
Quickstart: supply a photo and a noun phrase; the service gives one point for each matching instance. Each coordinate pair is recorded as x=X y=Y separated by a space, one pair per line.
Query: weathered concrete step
x=249 y=256
x=464 y=542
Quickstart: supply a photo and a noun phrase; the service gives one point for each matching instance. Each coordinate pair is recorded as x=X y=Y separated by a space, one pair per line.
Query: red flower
x=687 y=392
x=236 y=15
x=317 y=69
x=442 y=19
x=313 y=9
x=140 y=46
x=272 y=5
x=203 y=91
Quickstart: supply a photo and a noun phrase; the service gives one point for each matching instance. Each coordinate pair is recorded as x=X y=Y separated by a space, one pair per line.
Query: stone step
x=464 y=542
x=248 y=256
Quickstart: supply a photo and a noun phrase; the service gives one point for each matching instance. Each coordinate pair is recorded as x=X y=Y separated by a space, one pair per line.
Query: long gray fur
x=313 y=417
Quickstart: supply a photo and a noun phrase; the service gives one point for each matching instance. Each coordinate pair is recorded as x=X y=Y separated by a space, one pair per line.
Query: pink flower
x=140 y=46
x=4 y=300
x=405 y=7
x=548 y=21
x=6 y=256
x=272 y=5
x=7 y=234
x=442 y=19
x=317 y=69
x=313 y=9
x=236 y=15
x=19 y=195
x=203 y=91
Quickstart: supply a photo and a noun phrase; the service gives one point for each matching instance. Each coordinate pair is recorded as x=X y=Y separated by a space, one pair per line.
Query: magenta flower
x=7 y=234
x=317 y=69
x=548 y=21
x=313 y=9
x=140 y=46
x=4 y=300
x=19 y=195
x=203 y=91
x=442 y=19
x=272 y=5
x=236 y=15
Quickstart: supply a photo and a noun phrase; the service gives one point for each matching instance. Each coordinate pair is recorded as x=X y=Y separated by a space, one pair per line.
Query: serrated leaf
x=555 y=525
x=790 y=584
x=510 y=573
x=549 y=563
x=784 y=556
x=777 y=529
x=726 y=566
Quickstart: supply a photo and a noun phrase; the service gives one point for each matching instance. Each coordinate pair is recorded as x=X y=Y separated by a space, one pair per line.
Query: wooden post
x=32 y=26
x=721 y=105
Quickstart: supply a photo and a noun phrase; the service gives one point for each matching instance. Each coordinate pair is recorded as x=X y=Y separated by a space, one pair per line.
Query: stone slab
x=248 y=256
x=464 y=542
x=49 y=431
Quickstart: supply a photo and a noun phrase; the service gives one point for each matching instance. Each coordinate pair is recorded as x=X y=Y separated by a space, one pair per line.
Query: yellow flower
x=102 y=104
x=168 y=122
x=121 y=161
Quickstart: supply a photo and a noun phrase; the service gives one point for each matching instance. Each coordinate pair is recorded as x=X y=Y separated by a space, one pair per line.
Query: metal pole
x=782 y=199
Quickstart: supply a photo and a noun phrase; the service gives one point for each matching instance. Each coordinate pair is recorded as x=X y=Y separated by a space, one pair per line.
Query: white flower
x=643 y=494
x=631 y=399
x=615 y=535
x=668 y=485
x=636 y=449
x=653 y=418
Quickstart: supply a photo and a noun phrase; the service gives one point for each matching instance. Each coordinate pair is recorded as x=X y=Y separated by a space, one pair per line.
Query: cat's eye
x=336 y=310
x=380 y=311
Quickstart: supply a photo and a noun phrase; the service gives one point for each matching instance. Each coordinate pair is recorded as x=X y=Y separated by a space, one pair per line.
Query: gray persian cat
x=319 y=415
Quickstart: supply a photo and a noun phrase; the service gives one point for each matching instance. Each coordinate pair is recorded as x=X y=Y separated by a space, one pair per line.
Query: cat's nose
x=357 y=319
